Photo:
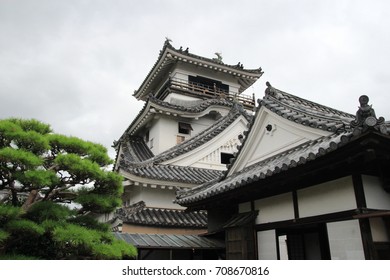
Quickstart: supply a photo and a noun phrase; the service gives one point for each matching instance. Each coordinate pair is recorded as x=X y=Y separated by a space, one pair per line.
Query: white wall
x=376 y=196
x=329 y=197
x=379 y=230
x=276 y=208
x=153 y=197
x=266 y=245
x=345 y=240
x=163 y=132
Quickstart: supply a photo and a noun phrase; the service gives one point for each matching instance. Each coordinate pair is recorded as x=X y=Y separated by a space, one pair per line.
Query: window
x=185 y=128
x=225 y=158
x=208 y=83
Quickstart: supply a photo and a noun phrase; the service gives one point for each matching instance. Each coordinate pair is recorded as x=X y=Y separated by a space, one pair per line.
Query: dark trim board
x=325 y=218
x=358 y=187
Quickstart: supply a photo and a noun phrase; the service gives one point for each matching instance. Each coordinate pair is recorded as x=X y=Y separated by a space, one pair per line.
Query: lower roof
x=139 y=214
x=170 y=241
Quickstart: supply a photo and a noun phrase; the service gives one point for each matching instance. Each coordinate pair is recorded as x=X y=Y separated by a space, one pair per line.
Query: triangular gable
x=284 y=121
x=272 y=134
x=208 y=155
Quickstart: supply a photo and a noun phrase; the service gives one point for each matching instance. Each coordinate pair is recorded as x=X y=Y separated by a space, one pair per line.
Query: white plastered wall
x=376 y=196
x=266 y=245
x=345 y=240
x=329 y=197
x=274 y=209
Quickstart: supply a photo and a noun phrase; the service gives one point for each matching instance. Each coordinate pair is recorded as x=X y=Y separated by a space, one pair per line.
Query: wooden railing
x=210 y=92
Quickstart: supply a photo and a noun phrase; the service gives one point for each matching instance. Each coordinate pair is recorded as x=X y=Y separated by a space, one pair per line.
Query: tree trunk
x=30 y=200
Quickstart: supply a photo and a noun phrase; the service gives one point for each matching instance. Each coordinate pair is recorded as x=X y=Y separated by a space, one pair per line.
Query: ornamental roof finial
x=366 y=119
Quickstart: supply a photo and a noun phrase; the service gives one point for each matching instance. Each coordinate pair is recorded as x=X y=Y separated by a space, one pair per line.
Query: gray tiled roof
x=170 y=241
x=139 y=214
x=174 y=173
x=266 y=168
x=136 y=150
x=190 y=106
x=305 y=112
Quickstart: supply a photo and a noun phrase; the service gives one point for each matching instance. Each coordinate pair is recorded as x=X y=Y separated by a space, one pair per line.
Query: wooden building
x=308 y=182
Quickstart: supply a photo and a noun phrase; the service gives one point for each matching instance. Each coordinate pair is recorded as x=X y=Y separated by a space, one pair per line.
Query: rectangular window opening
x=185 y=128
x=225 y=158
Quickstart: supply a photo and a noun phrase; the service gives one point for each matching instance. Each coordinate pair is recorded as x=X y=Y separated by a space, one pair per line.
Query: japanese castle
x=211 y=173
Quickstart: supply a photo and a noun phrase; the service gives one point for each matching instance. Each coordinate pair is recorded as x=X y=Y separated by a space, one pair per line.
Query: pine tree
x=51 y=186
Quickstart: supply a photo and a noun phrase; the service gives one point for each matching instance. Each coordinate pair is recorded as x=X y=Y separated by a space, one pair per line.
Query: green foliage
x=37 y=178
x=16 y=257
x=82 y=169
x=32 y=125
x=74 y=238
x=47 y=210
x=42 y=172
x=25 y=227
x=8 y=213
x=98 y=203
x=89 y=222
x=19 y=158
x=3 y=236
x=116 y=250
x=73 y=145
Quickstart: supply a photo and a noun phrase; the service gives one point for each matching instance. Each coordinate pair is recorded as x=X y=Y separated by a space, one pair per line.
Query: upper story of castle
x=179 y=76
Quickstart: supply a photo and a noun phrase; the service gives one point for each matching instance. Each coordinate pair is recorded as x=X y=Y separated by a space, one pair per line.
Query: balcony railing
x=205 y=91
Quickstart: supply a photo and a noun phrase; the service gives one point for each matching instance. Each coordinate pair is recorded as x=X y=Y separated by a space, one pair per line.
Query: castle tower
x=195 y=109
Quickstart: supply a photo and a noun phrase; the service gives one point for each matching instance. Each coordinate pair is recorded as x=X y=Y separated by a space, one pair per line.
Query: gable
x=270 y=135
x=208 y=155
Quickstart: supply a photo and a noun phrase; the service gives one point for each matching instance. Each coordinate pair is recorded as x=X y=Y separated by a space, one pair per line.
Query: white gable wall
x=208 y=155
x=262 y=143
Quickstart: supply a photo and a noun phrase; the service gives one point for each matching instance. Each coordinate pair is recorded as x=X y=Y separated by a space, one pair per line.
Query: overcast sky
x=75 y=64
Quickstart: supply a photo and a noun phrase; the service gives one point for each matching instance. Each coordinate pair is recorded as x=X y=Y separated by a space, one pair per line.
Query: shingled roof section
x=174 y=173
x=139 y=214
x=305 y=112
x=170 y=241
x=190 y=106
x=136 y=150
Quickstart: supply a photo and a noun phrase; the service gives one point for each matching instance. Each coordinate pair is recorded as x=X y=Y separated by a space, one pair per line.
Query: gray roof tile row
x=170 y=241
x=305 y=112
x=139 y=214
